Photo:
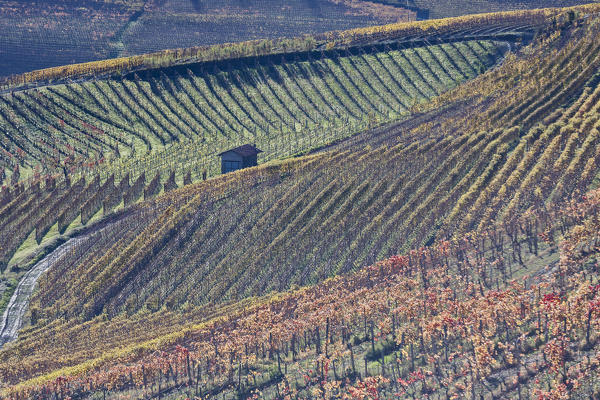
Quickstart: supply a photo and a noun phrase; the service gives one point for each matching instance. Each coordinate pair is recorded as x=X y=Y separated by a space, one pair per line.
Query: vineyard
x=206 y=100
x=127 y=137
x=446 y=171
x=464 y=318
x=82 y=150
x=154 y=30
x=47 y=34
x=42 y=34
x=185 y=116
x=455 y=8
x=423 y=222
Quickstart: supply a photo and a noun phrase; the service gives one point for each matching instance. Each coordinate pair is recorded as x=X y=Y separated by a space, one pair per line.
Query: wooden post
x=352 y=358
x=327 y=339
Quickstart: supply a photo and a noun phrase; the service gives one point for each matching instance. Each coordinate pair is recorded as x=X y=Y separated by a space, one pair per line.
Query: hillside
x=423 y=223
x=216 y=106
x=444 y=173
x=465 y=318
x=74 y=153
x=455 y=8
x=75 y=149
x=278 y=87
x=250 y=20
x=163 y=128
x=41 y=34
x=197 y=290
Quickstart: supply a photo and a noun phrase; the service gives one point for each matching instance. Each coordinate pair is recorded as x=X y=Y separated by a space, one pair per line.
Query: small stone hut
x=238 y=158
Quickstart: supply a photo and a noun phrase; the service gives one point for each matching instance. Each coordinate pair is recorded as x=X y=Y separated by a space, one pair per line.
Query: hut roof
x=244 y=150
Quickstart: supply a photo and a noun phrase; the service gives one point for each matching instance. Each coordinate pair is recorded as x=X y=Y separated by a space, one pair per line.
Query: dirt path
x=12 y=319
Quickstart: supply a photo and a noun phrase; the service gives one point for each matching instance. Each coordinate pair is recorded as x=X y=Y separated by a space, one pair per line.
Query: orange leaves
x=555 y=351
x=558 y=393
x=453 y=321
x=398 y=263
x=368 y=389
x=484 y=354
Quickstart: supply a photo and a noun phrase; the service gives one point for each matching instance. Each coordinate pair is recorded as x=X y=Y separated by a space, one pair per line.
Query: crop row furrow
x=161 y=109
x=255 y=97
x=47 y=125
x=91 y=134
x=227 y=103
x=256 y=116
x=437 y=69
x=115 y=111
x=324 y=96
x=177 y=110
x=115 y=98
x=303 y=97
x=535 y=144
x=297 y=71
x=278 y=95
x=416 y=60
x=186 y=101
x=446 y=64
x=189 y=85
x=454 y=196
x=342 y=86
x=278 y=230
x=144 y=108
x=416 y=191
x=259 y=86
x=392 y=230
x=388 y=84
x=395 y=69
x=64 y=95
x=369 y=74
x=13 y=142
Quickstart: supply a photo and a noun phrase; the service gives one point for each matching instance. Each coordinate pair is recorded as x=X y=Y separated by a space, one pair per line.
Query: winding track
x=12 y=320
x=13 y=315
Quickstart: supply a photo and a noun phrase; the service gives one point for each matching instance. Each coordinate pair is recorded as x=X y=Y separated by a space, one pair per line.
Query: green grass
x=10 y=285
x=170 y=119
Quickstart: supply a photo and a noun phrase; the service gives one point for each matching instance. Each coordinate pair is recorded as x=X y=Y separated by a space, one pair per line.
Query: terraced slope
x=285 y=105
x=398 y=187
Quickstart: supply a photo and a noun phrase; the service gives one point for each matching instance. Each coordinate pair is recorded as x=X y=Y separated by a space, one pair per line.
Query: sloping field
x=265 y=91
x=454 y=8
x=43 y=34
x=448 y=319
x=147 y=132
x=163 y=301
x=214 y=107
x=121 y=138
x=184 y=23
x=404 y=185
x=445 y=8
